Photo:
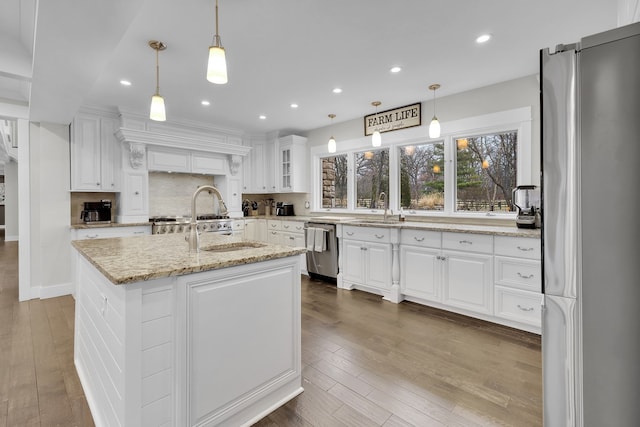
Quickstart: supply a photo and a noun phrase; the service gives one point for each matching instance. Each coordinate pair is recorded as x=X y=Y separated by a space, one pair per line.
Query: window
x=422 y=177
x=334 y=182
x=486 y=171
x=372 y=177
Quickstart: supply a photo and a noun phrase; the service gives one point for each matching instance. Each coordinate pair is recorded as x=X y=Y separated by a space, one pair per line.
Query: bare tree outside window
x=422 y=177
x=334 y=182
x=372 y=177
x=486 y=171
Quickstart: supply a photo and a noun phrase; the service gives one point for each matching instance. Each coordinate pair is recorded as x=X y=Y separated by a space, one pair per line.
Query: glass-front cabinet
x=293 y=164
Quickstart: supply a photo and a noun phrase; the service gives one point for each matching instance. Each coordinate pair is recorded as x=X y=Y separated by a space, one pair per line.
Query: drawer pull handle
x=522 y=276
x=350 y=233
x=467 y=242
x=418 y=239
x=441 y=258
x=292 y=238
x=285 y=226
x=525 y=308
x=379 y=236
x=138 y=232
x=525 y=249
x=91 y=236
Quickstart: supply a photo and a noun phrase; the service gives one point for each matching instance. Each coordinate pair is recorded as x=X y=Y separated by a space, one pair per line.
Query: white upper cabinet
x=95 y=154
x=292 y=166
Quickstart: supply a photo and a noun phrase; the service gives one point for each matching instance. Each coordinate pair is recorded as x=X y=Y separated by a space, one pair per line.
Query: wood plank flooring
x=366 y=362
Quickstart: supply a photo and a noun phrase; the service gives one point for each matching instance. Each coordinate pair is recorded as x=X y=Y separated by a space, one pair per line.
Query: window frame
x=518 y=120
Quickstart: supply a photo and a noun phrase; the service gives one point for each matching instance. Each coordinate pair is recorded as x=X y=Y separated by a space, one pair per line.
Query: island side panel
x=242 y=341
x=125 y=347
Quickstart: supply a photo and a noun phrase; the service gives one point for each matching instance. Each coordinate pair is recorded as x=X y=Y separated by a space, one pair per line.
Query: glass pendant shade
x=434 y=128
x=217 y=66
x=331 y=145
x=376 y=139
x=157 y=111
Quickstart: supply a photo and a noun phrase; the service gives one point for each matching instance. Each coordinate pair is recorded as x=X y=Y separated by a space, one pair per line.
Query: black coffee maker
x=96 y=212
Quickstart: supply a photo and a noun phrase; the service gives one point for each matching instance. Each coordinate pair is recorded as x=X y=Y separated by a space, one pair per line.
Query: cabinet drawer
x=481 y=243
x=274 y=224
x=293 y=226
x=423 y=238
x=367 y=234
x=520 y=247
x=238 y=224
x=518 y=273
x=517 y=305
x=108 y=232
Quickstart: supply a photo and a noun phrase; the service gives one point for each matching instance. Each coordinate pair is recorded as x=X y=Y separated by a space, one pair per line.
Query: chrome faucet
x=194 y=237
x=385 y=204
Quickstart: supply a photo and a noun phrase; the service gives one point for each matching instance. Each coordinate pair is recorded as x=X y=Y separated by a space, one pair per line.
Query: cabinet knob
x=235 y=194
x=136 y=193
x=97 y=184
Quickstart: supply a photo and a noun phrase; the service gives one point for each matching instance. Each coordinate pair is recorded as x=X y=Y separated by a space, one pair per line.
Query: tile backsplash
x=170 y=194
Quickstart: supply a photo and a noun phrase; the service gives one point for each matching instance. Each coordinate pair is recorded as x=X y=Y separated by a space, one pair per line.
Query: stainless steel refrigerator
x=591 y=230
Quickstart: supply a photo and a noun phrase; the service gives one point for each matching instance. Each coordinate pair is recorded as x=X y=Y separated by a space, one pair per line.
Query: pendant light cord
x=157 y=72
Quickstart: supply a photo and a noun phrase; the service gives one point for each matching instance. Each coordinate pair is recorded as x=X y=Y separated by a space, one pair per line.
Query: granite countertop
x=455 y=228
x=107 y=225
x=135 y=259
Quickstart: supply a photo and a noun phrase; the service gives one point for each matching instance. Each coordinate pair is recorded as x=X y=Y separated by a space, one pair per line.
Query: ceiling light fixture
x=157 y=111
x=262 y=117
x=434 y=126
x=376 y=138
x=331 y=145
x=205 y=103
x=294 y=105
x=125 y=82
x=483 y=38
x=337 y=90
x=217 y=66
x=395 y=69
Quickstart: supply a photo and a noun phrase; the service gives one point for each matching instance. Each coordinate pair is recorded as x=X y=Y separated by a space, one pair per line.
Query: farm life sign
x=389 y=120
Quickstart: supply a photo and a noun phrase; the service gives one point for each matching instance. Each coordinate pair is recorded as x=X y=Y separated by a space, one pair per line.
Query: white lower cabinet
x=367 y=259
x=467 y=281
x=421 y=273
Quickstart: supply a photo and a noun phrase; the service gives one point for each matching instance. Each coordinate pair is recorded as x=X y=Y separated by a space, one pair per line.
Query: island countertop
x=135 y=259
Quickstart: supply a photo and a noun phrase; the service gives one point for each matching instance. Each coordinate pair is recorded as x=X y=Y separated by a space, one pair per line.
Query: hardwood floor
x=38 y=381
x=366 y=362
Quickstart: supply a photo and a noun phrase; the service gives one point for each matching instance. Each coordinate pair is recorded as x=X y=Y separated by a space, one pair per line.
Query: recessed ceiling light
x=262 y=117
x=395 y=69
x=337 y=90
x=294 y=105
x=125 y=82
x=483 y=38
x=205 y=103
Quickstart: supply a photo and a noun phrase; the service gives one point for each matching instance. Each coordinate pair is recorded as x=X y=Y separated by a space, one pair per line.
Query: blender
x=527 y=199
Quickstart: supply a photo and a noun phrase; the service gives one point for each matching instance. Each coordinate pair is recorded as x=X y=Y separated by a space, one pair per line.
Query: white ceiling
x=278 y=52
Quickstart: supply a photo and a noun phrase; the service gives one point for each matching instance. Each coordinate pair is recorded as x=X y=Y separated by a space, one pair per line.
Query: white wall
x=50 y=210
x=628 y=12
x=11 y=201
x=512 y=94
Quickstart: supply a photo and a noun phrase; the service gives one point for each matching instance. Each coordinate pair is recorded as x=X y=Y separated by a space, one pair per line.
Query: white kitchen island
x=168 y=338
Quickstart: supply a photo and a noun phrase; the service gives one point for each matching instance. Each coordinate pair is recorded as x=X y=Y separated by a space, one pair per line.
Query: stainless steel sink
x=235 y=246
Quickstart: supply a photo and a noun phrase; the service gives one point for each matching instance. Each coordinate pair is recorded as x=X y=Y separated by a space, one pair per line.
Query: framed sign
x=389 y=120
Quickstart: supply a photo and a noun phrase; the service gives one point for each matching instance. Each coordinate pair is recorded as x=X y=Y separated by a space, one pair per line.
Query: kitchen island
x=168 y=338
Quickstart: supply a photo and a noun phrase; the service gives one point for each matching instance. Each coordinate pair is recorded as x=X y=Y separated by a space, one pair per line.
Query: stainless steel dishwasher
x=322 y=258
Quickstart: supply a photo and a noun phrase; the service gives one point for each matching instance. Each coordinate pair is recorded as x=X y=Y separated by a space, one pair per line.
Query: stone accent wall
x=328 y=182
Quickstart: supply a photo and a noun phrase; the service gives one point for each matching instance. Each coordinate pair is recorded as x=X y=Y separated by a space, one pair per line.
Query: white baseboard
x=10 y=238
x=52 y=291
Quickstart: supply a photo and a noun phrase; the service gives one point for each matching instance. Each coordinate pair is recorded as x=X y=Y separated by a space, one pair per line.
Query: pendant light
x=217 y=65
x=157 y=111
x=434 y=126
x=376 y=138
x=331 y=145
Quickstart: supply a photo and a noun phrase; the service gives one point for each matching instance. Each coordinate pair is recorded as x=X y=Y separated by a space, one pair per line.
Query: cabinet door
x=274 y=237
x=378 y=265
x=247 y=173
x=134 y=197
x=261 y=230
x=353 y=261
x=467 y=281
x=420 y=272
x=285 y=169
x=234 y=196
x=259 y=168
x=86 y=154
x=250 y=232
x=110 y=170
x=168 y=161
